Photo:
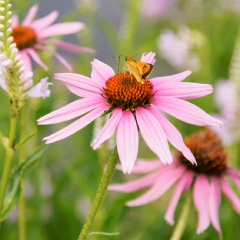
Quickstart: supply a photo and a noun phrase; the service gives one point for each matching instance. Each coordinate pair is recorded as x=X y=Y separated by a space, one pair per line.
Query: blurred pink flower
x=181 y=44
x=226 y=98
x=207 y=180
x=32 y=35
x=156 y=9
x=134 y=108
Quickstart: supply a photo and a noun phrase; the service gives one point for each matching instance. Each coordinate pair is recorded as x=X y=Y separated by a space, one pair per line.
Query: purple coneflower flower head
x=207 y=179
x=133 y=108
x=33 y=35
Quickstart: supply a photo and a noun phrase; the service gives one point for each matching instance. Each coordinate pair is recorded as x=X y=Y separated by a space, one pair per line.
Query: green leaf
x=15 y=186
x=25 y=140
x=3 y=140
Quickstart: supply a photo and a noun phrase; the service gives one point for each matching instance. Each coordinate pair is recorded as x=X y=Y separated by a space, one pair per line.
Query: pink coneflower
x=134 y=108
x=32 y=35
x=207 y=180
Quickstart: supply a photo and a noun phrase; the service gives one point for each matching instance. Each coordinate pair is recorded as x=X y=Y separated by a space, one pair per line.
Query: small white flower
x=40 y=90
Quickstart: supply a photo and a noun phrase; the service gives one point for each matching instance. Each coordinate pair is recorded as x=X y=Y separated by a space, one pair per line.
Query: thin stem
x=8 y=160
x=22 y=158
x=100 y=194
x=182 y=222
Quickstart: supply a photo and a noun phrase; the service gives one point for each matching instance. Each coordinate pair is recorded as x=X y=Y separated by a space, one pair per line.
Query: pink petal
x=153 y=135
x=186 y=111
x=201 y=192
x=69 y=47
x=101 y=72
x=184 y=183
x=83 y=83
x=214 y=203
x=227 y=190
x=173 y=135
x=41 y=23
x=55 y=54
x=170 y=79
x=145 y=166
x=61 y=29
x=36 y=58
x=127 y=141
x=136 y=185
x=77 y=125
x=70 y=111
x=163 y=183
x=235 y=175
x=108 y=129
x=149 y=58
x=26 y=59
x=15 y=21
x=31 y=15
x=184 y=90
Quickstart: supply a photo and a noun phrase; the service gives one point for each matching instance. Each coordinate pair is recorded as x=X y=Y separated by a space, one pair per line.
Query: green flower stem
x=22 y=158
x=8 y=160
x=182 y=222
x=100 y=194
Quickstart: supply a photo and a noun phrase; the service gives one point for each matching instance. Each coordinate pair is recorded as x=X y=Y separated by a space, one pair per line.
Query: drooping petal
x=235 y=175
x=127 y=141
x=227 y=190
x=172 y=78
x=173 y=135
x=108 y=129
x=36 y=58
x=61 y=29
x=41 y=23
x=136 y=185
x=201 y=192
x=55 y=54
x=15 y=21
x=68 y=46
x=149 y=58
x=153 y=134
x=145 y=166
x=183 y=184
x=31 y=15
x=101 y=72
x=77 y=125
x=83 y=83
x=183 y=90
x=214 y=203
x=165 y=181
x=186 y=111
x=70 y=111
x=26 y=60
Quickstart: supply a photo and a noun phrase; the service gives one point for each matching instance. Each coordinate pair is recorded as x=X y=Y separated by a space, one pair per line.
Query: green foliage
x=62 y=184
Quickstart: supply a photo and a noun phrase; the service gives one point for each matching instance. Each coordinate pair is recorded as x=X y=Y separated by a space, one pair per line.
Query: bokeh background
x=63 y=182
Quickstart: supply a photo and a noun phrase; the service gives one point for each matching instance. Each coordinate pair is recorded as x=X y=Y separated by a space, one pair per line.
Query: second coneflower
x=33 y=35
x=207 y=180
x=133 y=108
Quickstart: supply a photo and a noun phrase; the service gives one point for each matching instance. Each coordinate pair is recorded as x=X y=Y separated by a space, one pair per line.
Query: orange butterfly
x=140 y=70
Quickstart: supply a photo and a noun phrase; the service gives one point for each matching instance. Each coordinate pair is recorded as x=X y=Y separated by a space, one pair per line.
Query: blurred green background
x=62 y=184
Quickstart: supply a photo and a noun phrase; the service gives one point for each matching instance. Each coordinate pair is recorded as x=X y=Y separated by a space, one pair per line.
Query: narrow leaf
x=15 y=186
x=25 y=139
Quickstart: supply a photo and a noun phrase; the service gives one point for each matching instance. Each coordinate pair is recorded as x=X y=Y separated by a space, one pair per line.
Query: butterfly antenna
x=120 y=55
